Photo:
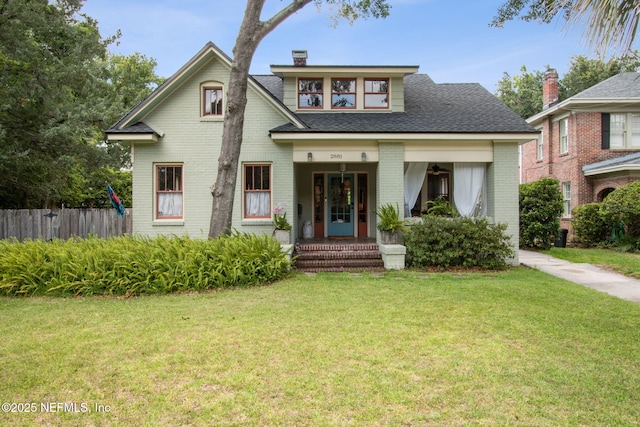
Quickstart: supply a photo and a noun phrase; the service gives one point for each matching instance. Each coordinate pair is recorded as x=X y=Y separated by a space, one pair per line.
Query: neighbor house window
x=566 y=196
x=625 y=130
x=540 y=146
x=169 y=192
x=564 y=136
x=310 y=93
x=343 y=93
x=257 y=191
x=212 y=98
x=376 y=93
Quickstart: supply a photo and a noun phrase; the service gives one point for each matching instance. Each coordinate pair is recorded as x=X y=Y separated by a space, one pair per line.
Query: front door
x=340 y=206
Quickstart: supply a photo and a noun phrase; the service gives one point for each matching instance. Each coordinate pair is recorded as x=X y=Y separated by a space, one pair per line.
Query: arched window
x=212 y=99
x=604 y=193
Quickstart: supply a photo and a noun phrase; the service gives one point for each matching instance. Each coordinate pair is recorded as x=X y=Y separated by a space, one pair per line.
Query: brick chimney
x=549 y=88
x=299 y=58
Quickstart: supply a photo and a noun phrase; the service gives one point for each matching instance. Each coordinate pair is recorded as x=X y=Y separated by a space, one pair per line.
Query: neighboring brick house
x=330 y=143
x=589 y=142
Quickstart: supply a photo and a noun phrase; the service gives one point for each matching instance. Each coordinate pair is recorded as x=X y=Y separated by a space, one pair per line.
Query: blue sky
x=450 y=40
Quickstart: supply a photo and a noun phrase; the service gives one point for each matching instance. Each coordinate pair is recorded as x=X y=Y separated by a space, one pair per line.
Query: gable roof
x=616 y=92
x=131 y=122
x=620 y=86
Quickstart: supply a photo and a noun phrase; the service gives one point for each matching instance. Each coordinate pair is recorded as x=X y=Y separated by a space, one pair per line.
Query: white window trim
x=540 y=146
x=564 y=136
x=212 y=84
x=566 y=199
x=627 y=132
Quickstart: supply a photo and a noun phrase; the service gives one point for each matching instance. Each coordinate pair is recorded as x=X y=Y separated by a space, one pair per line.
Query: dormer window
x=310 y=93
x=343 y=93
x=212 y=99
x=376 y=93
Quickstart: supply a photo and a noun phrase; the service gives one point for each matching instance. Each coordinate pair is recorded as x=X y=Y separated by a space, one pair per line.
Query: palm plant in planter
x=389 y=223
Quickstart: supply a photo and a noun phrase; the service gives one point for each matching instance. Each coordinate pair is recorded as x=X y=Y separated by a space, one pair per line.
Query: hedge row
x=135 y=265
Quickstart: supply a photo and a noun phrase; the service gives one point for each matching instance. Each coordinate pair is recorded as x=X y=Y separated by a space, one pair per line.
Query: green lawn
x=509 y=348
x=622 y=262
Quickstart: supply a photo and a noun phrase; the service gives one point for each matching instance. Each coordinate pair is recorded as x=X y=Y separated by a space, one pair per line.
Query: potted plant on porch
x=389 y=224
x=282 y=231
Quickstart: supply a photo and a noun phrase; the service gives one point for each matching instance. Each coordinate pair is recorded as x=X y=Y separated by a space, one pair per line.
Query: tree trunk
x=251 y=32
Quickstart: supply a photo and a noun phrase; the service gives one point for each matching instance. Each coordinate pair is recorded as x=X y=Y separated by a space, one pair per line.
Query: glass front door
x=340 y=206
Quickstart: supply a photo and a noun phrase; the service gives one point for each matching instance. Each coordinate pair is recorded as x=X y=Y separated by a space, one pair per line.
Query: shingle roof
x=139 y=127
x=623 y=85
x=429 y=108
x=628 y=160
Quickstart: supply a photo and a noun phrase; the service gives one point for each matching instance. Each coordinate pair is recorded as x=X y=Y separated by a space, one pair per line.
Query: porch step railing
x=336 y=257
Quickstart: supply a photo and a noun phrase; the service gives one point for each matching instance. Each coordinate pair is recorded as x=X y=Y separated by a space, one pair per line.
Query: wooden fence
x=50 y=224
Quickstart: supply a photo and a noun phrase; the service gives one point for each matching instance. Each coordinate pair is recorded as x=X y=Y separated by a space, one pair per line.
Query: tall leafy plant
x=541 y=205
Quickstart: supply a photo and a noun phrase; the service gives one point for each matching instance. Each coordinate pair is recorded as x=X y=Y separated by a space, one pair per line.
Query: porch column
x=503 y=191
x=390 y=178
x=390 y=189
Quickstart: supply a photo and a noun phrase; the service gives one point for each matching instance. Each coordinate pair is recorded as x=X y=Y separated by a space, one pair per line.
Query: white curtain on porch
x=469 y=188
x=413 y=180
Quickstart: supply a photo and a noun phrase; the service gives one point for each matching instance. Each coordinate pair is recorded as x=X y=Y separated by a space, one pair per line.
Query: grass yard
x=511 y=348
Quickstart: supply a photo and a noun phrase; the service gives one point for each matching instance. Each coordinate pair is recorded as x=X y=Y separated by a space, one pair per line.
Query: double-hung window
x=169 y=192
x=257 y=191
x=540 y=146
x=376 y=93
x=564 y=136
x=343 y=93
x=566 y=196
x=624 y=130
x=310 y=93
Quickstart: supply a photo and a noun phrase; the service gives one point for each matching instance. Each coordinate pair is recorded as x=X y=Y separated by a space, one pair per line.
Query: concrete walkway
x=584 y=274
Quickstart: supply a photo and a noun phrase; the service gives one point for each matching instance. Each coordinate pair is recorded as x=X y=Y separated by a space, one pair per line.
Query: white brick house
x=331 y=143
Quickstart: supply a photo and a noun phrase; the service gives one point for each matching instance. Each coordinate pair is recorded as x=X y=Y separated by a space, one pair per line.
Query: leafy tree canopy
x=59 y=89
x=523 y=92
x=608 y=24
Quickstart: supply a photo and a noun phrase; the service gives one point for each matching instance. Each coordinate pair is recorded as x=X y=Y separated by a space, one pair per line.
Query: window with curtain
x=212 y=98
x=257 y=191
x=169 y=192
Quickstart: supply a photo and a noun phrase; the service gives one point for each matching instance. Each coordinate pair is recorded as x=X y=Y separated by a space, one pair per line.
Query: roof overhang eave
x=131 y=138
x=611 y=169
x=519 y=138
x=586 y=104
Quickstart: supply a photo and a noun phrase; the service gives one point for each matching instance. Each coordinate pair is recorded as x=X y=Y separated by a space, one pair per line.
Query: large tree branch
x=275 y=20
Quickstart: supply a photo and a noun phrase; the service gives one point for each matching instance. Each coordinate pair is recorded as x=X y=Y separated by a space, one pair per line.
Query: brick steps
x=332 y=257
